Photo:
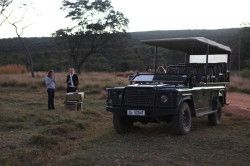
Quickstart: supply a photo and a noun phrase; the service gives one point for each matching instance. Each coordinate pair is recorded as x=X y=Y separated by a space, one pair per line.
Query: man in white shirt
x=51 y=86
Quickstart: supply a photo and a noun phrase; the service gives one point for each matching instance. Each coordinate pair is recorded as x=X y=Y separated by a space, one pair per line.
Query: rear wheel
x=122 y=124
x=183 y=120
x=215 y=118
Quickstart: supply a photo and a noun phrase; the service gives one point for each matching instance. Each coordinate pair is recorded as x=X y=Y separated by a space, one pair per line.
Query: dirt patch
x=237 y=111
x=239 y=104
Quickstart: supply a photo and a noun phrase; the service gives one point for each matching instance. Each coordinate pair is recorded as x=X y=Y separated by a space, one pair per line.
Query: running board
x=205 y=113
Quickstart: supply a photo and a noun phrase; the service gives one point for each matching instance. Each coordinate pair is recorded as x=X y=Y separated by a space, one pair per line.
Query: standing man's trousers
x=51 y=95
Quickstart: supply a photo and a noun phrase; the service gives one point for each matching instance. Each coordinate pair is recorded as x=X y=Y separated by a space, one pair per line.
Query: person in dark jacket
x=72 y=81
x=51 y=86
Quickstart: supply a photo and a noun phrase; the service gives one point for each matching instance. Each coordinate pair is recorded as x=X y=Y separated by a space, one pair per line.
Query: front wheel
x=183 y=120
x=122 y=124
x=215 y=118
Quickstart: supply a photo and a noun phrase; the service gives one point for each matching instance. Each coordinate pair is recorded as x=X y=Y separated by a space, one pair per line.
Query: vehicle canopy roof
x=190 y=45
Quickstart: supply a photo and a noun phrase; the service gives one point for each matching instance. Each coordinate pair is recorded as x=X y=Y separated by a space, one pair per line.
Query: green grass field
x=32 y=135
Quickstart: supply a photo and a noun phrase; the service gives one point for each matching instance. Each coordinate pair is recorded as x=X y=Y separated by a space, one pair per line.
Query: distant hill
x=212 y=34
x=129 y=55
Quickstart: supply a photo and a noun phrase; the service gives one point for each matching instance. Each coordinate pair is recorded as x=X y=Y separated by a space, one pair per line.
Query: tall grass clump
x=240 y=82
x=245 y=74
x=44 y=141
x=13 y=69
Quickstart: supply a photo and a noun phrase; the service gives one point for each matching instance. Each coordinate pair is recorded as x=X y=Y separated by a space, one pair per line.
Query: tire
x=182 y=122
x=122 y=124
x=215 y=118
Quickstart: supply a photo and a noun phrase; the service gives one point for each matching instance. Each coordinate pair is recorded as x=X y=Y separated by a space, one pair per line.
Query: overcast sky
x=45 y=16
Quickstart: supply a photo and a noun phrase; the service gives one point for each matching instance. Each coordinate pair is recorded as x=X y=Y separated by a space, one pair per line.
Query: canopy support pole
x=186 y=58
x=155 y=58
x=228 y=66
x=206 y=67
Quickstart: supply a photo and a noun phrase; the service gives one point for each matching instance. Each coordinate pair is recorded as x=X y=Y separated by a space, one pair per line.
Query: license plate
x=136 y=112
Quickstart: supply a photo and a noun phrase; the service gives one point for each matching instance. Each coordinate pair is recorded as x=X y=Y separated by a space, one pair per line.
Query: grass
x=153 y=144
x=245 y=73
x=44 y=141
x=32 y=135
x=13 y=69
x=28 y=128
x=240 y=82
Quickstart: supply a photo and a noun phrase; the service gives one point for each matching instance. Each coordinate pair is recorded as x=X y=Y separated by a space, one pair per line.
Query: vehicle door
x=201 y=98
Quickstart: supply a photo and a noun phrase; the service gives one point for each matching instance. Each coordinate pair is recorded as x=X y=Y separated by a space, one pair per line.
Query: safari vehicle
x=180 y=92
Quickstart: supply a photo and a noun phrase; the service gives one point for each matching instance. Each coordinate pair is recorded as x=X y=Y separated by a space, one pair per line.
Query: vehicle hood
x=158 y=86
x=155 y=86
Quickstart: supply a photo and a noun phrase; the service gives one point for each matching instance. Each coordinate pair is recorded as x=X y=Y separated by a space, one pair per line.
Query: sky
x=43 y=17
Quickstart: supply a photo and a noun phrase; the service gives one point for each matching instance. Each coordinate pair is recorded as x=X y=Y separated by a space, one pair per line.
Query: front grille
x=139 y=96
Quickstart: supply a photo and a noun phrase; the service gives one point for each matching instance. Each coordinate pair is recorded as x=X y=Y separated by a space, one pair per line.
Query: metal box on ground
x=74 y=101
x=75 y=96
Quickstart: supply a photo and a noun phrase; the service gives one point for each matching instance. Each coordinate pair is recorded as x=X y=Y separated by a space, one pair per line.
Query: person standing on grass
x=72 y=81
x=51 y=86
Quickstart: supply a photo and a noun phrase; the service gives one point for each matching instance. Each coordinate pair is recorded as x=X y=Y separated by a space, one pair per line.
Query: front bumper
x=149 y=111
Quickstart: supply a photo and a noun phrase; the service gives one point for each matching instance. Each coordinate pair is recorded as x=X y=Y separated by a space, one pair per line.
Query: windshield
x=159 y=78
x=216 y=58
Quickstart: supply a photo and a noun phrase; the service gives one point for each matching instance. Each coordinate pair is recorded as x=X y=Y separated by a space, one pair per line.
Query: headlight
x=114 y=98
x=164 y=98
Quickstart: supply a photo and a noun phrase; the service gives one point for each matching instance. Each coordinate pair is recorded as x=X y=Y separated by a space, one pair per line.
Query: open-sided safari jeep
x=193 y=89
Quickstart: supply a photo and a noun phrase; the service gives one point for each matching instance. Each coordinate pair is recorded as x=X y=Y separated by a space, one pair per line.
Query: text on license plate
x=136 y=112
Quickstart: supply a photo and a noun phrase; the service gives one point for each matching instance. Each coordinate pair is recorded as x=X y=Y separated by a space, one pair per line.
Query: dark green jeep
x=176 y=93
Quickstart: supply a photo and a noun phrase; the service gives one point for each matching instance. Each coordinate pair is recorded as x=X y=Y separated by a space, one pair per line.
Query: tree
x=244 y=37
x=26 y=49
x=4 y=4
x=96 y=22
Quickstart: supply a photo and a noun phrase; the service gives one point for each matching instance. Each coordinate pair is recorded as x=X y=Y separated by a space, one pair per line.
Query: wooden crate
x=74 y=106
x=75 y=96
x=74 y=101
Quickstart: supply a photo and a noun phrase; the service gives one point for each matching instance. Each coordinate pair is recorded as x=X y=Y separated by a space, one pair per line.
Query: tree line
x=123 y=53
x=97 y=41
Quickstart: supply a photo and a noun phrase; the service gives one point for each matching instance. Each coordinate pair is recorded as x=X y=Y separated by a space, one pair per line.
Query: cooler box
x=74 y=101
